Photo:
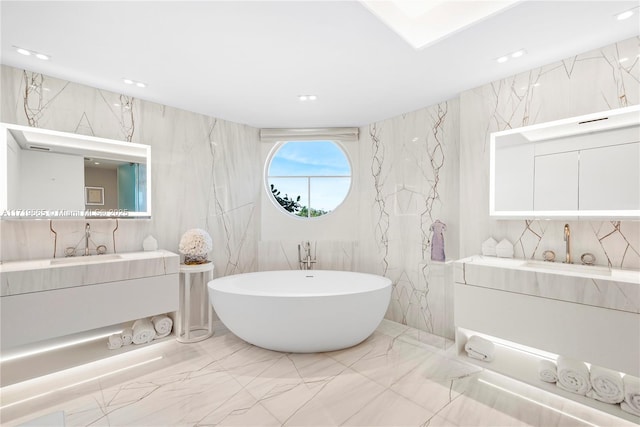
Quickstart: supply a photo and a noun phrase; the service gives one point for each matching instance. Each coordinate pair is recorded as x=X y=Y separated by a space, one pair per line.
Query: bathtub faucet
x=87 y=235
x=567 y=239
x=305 y=261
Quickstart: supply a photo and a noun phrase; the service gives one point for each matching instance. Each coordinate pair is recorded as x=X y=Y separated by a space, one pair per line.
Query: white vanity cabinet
x=590 y=316
x=45 y=299
x=533 y=310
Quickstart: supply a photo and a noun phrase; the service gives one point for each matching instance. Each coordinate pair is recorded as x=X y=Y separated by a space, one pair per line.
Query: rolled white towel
x=163 y=325
x=114 y=342
x=143 y=331
x=631 y=402
x=127 y=336
x=606 y=385
x=480 y=348
x=573 y=375
x=548 y=371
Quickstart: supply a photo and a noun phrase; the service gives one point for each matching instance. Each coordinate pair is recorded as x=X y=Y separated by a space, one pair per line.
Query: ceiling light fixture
x=307 y=97
x=27 y=52
x=621 y=60
x=624 y=15
x=515 y=54
x=134 y=82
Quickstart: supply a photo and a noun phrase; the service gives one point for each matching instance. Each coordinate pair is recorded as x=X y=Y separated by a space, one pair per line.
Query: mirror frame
x=563 y=128
x=65 y=142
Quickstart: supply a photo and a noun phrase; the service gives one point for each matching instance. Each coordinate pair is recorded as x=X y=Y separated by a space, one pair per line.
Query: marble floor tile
x=340 y=398
x=397 y=377
x=390 y=408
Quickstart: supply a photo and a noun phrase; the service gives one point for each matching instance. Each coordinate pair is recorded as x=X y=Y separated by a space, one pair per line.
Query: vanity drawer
x=33 y=317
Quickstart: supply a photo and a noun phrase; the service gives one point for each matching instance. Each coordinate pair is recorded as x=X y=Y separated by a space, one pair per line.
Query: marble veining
x=393 y=378
x=382 y=220
x=607 y=232
x=529 y=241
x=618 y=292
x=412 y=182
x=36 y=97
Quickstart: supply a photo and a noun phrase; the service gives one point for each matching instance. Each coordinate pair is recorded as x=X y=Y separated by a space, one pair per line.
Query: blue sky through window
x=309 y=159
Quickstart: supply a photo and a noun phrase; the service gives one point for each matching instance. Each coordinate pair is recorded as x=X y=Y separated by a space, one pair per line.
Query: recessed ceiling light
x=536 y=85
x=502 y=59
x=96 y=163
x=312 y=97
x=517 y=53
x=134 y=82
x=27 y=52
x=621 y=60
x=116 y=105
x=302 y=97
x=624 y=15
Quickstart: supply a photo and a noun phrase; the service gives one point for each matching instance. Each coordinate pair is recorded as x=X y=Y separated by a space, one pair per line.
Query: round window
x=308 y=178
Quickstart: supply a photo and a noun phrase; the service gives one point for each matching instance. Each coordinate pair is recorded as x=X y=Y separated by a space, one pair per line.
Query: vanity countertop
x=21 y=277
x=598 y=286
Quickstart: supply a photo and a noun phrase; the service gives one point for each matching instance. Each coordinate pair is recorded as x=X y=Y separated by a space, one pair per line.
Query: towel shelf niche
x=532 y=314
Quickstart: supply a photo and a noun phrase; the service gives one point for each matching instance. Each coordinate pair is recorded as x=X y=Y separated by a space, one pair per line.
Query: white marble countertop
x=20 y=277
x=590 y=285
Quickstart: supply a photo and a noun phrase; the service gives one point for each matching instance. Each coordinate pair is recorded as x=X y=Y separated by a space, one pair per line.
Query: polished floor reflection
x=398 y=377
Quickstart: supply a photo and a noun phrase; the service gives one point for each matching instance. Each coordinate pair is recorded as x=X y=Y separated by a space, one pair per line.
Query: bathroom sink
x=570 y=268
x=84 y=259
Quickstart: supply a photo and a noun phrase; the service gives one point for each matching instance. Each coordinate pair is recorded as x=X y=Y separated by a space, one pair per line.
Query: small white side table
x=185 y=330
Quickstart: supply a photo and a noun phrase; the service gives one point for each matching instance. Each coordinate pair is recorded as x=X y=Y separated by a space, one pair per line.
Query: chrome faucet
x=87 y=234
x=567 y=239
x=306 y=262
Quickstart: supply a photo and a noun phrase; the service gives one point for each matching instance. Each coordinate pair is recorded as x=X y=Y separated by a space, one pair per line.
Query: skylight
x=421 y=23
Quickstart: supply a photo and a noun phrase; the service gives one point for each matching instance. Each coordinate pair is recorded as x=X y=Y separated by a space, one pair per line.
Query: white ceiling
x=248 y=61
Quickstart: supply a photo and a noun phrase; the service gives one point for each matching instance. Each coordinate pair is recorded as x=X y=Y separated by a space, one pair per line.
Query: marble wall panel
x=586 y=83
x=409 y=179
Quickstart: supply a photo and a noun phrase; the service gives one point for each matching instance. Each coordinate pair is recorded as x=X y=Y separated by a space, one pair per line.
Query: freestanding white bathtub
x=301 y=311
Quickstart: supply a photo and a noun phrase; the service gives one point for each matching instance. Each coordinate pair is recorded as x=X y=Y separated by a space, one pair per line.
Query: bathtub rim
x=227 y=284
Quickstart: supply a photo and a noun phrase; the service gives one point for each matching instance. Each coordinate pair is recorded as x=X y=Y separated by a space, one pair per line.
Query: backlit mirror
x=586 y=166
x=50 y=174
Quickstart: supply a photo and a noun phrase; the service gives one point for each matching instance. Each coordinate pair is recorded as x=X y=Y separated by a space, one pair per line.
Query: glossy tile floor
x=398 y=377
